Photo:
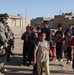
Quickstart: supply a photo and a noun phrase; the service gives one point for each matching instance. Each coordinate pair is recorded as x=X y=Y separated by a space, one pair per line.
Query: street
x=14 y=67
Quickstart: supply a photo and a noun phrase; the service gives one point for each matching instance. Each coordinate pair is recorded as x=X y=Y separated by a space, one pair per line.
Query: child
x=26 y=37
x=35 y=65
x=42 y=50
x=59 y=45
x=27 y=51
x=33 y=42
x=67 y=39
x=38 y=29
x=52 y=43
x=71 y=43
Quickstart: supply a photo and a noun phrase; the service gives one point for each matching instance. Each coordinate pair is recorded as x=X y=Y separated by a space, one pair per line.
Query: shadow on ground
x=18 y=71
x=14 y=67
x=61 y=72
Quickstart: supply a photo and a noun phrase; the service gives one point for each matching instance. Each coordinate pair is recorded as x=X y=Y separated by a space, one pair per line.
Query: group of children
x=36 y=45
x=67 y=48
x=58 y=38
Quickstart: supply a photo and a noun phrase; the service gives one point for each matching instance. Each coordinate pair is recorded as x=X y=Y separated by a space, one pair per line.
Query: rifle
x=9 y=50
x=13 y=55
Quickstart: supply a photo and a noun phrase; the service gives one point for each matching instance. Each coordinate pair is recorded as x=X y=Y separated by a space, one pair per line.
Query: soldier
x=10 y=38
x=3 y=41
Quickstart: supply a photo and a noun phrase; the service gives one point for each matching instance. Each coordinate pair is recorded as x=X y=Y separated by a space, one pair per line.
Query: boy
x=33 y=42
x=71 y=43
x=59 y=45
x=35 y=65
x=67 y=39
x=26 y=37
x=42 y=50
x=52 y=44
x=38 y=30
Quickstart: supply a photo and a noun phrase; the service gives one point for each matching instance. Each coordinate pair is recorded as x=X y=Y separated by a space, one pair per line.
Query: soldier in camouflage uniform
x=3 y=41
x=10 y=38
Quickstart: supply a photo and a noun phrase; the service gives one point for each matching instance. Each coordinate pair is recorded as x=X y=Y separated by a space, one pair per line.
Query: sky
x=36 y=8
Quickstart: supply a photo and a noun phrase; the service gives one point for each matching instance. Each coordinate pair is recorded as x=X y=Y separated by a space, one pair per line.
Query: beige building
x=18 y=20
x=65 y=19
x=38 y=21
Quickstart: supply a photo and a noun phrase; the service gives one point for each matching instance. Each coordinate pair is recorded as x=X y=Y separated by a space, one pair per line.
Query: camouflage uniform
x=8 y=32
x=3 y=41
x=9 y=35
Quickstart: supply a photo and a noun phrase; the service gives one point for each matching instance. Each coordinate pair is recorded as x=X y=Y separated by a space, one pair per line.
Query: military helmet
x=4 y=15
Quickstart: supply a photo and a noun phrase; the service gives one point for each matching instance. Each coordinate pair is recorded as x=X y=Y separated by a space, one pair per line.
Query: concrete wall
x=65 y=21
x=18 y=21
x=39 y=21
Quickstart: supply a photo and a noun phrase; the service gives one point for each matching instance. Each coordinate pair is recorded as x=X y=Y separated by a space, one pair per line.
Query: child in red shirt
x=71 y=43
x=67 y=39
x=52 y=44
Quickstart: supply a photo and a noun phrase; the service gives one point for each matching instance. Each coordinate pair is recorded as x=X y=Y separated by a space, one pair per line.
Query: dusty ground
x=14 y=66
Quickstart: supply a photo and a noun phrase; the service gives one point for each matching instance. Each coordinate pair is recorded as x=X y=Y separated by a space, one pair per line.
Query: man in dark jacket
x=46 y=30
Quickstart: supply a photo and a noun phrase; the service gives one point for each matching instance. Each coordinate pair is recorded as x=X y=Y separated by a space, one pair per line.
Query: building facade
x=39 y=21
x=65 y=19
x=18 y=20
